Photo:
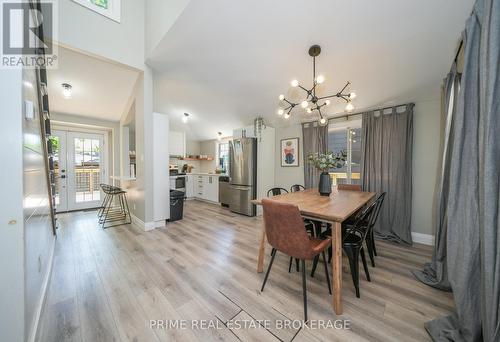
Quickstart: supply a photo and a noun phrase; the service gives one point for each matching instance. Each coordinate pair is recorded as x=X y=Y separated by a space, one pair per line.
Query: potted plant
x=324 y=162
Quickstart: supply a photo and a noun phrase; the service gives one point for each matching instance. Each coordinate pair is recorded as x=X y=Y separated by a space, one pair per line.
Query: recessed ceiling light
x=67 y=89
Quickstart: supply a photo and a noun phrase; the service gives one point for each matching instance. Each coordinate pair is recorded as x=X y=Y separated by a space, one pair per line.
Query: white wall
x=86 y=30
x=288 y=176
x=38 y=233
x=140 y=191
x=161 y=194
x=208 y=147
x=11 y=211
x=161 y=15
x=427 y=133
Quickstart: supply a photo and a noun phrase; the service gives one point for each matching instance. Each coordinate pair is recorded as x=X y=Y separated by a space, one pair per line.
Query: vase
x=325 y=184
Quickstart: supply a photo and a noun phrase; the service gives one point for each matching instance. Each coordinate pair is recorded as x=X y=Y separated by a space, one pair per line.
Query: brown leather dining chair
x=286 y=233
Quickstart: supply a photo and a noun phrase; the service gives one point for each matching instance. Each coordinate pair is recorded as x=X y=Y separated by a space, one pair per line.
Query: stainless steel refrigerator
x=243 y=175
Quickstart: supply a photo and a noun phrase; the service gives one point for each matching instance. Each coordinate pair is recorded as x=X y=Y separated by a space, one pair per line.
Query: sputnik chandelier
x=312 y=101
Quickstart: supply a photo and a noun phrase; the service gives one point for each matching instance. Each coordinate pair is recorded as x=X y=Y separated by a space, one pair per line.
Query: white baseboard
x=147 y=226
x=45 y=286
x=425 y=239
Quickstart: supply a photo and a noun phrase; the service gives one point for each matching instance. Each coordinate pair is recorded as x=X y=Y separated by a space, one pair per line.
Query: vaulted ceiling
x=100 y=89
x=225 y=62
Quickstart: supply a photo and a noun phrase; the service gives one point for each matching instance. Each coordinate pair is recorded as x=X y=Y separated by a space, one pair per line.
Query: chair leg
x=297 y=264
x=330 y=254
x=365 y=265
x=326 y=273
x=290 y=265
x=373 y=243
x=369 y=246
x=315 y=264
x=352 y=255
x=304 y=289
x=273 y=254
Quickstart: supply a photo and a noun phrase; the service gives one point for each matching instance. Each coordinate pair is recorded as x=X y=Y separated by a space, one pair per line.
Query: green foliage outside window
x=100 y=3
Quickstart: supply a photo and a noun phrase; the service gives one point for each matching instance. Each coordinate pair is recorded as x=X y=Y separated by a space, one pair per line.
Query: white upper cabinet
x=177 y=144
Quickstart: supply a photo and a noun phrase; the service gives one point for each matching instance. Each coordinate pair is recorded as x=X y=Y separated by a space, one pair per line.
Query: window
x=108 y=8
x=223 y=155
x=345 y=135
x=100 y=3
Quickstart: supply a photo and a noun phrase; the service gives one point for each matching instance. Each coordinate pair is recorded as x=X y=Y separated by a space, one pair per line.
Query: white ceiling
x=101 y=89
x=225 y=62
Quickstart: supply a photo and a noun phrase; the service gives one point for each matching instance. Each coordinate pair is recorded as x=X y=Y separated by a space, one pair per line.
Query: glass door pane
x=87 y=169
x=86 y=156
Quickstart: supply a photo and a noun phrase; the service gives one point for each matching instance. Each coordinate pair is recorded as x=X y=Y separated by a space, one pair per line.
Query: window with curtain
x=345 y=135
x=223 y=155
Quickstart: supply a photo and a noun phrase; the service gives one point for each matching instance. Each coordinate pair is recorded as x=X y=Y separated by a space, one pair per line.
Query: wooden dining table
x=333 y=209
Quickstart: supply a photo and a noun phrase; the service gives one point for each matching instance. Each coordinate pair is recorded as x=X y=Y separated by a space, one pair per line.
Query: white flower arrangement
x=327 y=161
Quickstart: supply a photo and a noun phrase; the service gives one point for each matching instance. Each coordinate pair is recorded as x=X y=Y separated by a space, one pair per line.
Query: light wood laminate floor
x=108 y=284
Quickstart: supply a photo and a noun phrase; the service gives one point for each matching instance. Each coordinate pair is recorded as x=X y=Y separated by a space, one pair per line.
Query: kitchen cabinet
x=190 y=189
x=177 y=144
x=211 y=188
x=204 y=187
x=199 y=188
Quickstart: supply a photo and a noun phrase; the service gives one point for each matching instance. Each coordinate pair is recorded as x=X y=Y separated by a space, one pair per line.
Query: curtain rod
x=359 y=113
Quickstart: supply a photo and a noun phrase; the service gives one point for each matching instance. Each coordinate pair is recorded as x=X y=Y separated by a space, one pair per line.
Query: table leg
x=262 y=251
x=337 y=267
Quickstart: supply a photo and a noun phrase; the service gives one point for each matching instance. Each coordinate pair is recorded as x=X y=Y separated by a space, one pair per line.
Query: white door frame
x=62 y=176
x=70 y=132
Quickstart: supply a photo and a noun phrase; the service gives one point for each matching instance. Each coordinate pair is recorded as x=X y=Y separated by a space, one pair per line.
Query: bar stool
x=114 y=207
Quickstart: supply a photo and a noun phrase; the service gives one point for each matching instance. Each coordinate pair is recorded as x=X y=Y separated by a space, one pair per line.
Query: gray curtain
x=435 y=273
x=315 y=139
x=386 y=166
x=473 y=206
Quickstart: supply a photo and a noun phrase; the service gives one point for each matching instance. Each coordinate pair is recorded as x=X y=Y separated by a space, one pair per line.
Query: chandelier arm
x=329 y=96
x=304 y=89
x=287 y=101
x=346 y=85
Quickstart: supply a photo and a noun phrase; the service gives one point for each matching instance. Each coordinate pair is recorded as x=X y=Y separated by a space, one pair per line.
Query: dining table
x=333 y=209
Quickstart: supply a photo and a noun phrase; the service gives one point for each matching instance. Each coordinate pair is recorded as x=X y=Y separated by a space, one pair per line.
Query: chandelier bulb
x=282 y=97
x=286 y=116
x=352 y=95
x=349 y=107
x=327 y=102
x=304 y=104
x=309 y=110
x=320 y=79
x=295 y=83
x=322 y=121
x=281 y=111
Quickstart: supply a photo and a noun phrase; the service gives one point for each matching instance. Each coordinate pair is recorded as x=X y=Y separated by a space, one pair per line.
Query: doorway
x=80 y=162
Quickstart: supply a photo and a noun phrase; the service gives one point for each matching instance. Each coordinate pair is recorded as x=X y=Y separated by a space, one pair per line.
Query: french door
x=79 y=163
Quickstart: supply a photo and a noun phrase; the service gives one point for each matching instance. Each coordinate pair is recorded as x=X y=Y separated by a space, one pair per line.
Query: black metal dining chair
x=370 y=238
x=353 y=238
x=276 y=192
x=297 y=187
